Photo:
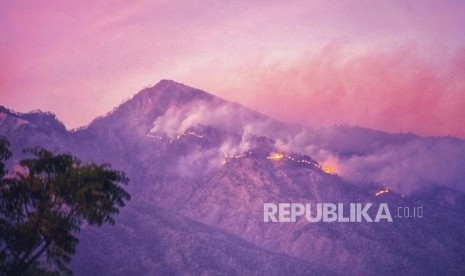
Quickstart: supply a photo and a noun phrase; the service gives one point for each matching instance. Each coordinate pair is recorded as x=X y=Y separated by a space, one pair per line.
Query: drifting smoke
x=225 y=116
x=407 y=168
x=403 y=162
x=238 y=126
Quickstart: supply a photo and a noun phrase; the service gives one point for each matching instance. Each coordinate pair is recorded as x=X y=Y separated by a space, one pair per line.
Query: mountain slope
x=164 y=243
x=213 y=164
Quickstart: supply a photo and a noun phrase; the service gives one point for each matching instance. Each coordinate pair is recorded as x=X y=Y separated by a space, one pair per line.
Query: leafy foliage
x=43 y=207
x=5 y=154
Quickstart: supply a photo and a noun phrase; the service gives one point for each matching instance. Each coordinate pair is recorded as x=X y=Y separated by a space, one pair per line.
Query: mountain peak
x=153 y=101
x=167 y=92
x=168 y=82
x=165 y=83
x=176 y=89
x=37 y=117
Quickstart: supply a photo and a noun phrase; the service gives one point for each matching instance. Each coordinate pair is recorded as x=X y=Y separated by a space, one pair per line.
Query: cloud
x=84 y=57
x=396 y=90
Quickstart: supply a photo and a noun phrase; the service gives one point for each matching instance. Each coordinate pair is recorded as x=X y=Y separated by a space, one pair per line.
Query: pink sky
x=397 y=66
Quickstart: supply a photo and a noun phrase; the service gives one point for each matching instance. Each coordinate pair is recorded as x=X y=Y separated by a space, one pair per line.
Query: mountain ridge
x=214 y=163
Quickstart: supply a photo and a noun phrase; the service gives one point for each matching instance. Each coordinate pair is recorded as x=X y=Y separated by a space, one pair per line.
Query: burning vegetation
x=382 y=191
x=327 y=169
x=278 y=156
x=236 y=156
x=275 y=156
x=190 y=132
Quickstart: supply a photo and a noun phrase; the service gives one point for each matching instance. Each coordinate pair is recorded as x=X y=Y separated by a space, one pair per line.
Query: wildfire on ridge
x=154 y=136
x=190 y=132
x=275 y=156
x=327 y=169
x=278 y=156
x=382 y=191
x=236 y=156
x=228 y=156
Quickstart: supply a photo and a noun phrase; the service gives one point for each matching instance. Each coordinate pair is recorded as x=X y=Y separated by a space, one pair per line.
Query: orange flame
x=327 y=169
x=275 y=156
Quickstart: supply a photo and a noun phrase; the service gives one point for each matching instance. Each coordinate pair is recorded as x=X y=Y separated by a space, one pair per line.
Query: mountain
x=31 y=129
x=201 y=169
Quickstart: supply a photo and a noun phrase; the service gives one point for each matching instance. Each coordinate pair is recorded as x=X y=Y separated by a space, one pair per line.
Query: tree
x=43 y=207
x=5 y=154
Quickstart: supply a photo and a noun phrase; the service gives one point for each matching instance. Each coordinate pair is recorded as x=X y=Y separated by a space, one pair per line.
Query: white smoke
x=405 y=164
